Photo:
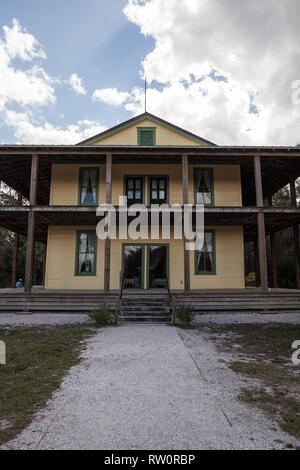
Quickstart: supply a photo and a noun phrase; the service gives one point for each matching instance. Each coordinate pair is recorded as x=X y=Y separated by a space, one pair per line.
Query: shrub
x=184 y=315
x=103 y=316
x=250 y=280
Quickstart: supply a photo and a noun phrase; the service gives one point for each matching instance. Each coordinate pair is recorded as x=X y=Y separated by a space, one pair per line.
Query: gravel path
x=42 y=319
x=293 y=318
x=65 y=318
x=150 y=387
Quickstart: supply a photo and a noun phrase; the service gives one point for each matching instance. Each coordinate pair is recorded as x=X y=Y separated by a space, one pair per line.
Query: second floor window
x=204 y=186
x=158 y=190
x=134 y=190
x=88 y=186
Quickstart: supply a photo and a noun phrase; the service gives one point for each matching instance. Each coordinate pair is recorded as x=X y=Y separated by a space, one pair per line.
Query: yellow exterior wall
x=128 y=136
x=61 y=250
x=65 y=184
x=60 y=266
x=229 y=261
x=227 y=184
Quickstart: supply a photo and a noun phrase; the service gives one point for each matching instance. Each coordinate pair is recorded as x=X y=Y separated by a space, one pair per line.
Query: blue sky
x=91 y=38
x=226 y=70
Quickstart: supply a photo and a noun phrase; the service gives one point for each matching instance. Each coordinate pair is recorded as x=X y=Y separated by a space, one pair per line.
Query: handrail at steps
x=171 y=306
x=118 y=306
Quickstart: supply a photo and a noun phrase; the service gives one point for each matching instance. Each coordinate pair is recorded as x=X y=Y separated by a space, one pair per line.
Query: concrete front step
x=144 y=319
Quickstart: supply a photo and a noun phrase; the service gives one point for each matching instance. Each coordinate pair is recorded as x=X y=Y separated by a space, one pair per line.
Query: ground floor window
x=86 y=253
x=205 y=257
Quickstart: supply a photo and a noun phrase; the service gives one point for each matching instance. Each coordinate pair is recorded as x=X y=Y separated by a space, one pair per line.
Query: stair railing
x=119 y=300
x=171 y=306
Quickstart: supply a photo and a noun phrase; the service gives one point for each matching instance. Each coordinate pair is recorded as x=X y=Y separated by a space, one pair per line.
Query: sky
x=225 y=70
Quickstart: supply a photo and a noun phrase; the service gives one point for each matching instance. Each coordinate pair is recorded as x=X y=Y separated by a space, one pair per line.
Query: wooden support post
x=293 y=192
x=185 y=194
x=262 y=249
x=31 y=224
x=34 y=179
x=297 y=253
x=295 y=231
x=107 y=241
x=274 y=260
x=29 y=253
x=275 y=283
x=14 y=266
x=256 y=263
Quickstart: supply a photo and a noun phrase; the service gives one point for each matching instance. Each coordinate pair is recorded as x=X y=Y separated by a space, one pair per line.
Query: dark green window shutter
x=146 y=136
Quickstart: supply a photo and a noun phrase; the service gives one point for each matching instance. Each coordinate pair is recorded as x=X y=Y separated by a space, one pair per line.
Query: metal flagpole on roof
x=145 y=93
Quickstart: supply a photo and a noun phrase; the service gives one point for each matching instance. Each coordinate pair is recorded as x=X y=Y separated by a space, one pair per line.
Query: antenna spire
x=145 y=93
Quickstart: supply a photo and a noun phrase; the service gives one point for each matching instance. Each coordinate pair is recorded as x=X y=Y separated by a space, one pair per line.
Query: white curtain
x=203 y=187
x=89 y=187
x=86 y=259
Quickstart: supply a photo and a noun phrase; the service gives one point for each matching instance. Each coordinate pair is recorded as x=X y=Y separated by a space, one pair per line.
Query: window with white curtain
x=204 y=186
x=205 y=255
x=88 y=186
x=86 y=253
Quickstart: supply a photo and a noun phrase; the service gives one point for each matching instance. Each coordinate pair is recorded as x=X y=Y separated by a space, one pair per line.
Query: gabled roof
x=153 y=118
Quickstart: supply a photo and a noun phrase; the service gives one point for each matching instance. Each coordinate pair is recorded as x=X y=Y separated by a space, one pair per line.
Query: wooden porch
x=248 y=300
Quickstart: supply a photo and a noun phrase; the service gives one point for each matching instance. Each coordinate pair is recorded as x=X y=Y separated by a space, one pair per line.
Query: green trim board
x=141 y=118
x=214 y=270
x=78 y=233
x=148 y=245
x=148 y=130
x=80 y=180
x=212 y=185
x=143 y=260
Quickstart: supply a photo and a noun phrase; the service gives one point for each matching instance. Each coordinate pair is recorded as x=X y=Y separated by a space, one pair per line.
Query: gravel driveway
x=150 y=387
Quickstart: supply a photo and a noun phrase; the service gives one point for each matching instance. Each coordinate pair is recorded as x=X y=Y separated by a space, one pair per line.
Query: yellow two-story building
x=76 y=257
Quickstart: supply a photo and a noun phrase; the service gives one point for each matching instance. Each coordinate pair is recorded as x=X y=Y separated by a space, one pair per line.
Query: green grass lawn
x=37 y=359
x=264 y=352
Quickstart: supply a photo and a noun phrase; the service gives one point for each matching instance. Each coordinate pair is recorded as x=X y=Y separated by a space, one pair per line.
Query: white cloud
x=254 y=44
x=19 y=43
x=32 y=88
x=77 y=85
x=25 y=87
x=29 y=131
x=110 y=96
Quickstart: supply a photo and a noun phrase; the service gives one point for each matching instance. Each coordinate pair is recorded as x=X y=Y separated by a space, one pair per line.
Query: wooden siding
x=60 y=265
x=65 y=184
x=128 y=136
x=229 y=261
x=227 y=184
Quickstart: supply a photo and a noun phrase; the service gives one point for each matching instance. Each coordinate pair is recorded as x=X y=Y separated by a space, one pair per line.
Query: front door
x=157 y=258
x=133 y=266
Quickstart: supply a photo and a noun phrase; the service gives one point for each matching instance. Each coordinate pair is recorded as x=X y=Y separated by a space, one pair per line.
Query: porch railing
x=171 y=303
x=119 y=300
